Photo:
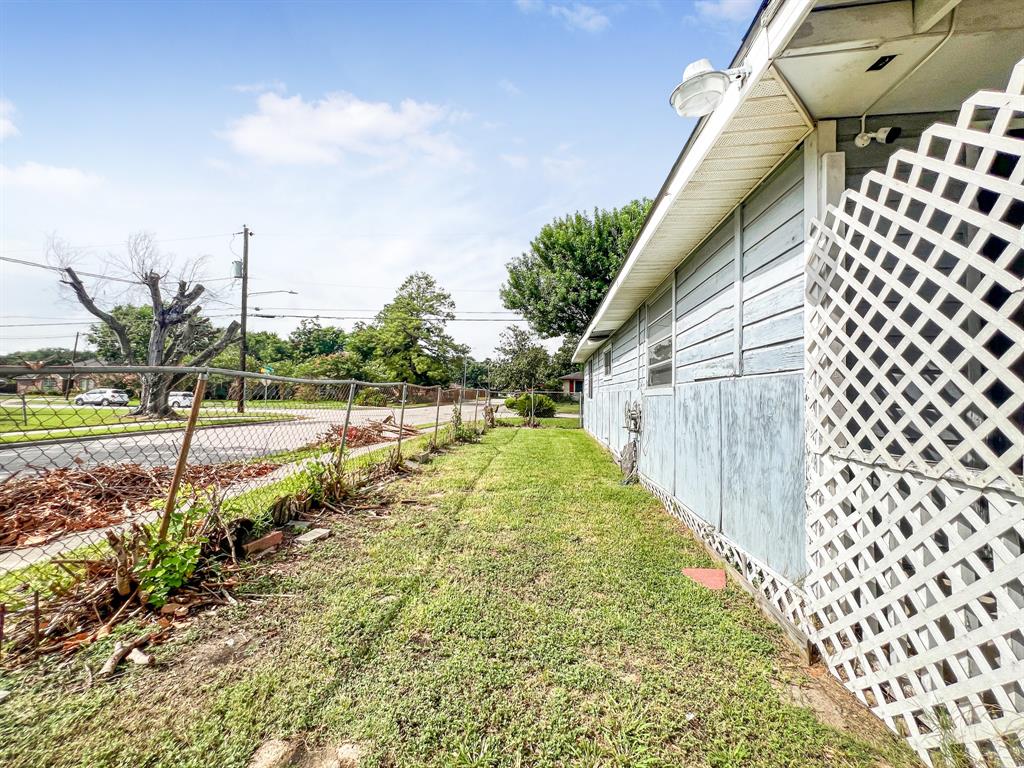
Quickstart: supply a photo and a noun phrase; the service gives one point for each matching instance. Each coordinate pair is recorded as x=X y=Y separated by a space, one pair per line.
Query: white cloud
x=515 y=161
x=7 y=126
x=510 y=88
x=727 y=10
x=48 y=178
x=581 y=16
x=564 y=167
x=295 y=131
x=574 y=15
x=268 y=86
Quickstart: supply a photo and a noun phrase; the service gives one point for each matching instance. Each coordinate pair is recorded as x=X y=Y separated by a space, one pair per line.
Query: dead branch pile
x=36 y=509
x=103 y=592
x=368 y=433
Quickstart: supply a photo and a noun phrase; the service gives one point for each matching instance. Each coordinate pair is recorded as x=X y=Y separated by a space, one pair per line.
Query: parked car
x=179 y=399
x=103 y=397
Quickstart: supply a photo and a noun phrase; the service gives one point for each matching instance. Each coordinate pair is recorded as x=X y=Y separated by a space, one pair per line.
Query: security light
x=703 y=87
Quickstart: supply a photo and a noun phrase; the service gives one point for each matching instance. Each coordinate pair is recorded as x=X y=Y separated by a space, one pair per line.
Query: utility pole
x=67 y=384
x=245 y=310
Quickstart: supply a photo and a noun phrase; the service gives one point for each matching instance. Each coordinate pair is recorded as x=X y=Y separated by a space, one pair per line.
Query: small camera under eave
x=886 y=135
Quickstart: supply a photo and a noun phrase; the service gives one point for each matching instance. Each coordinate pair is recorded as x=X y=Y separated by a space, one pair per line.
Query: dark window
x=608 y=363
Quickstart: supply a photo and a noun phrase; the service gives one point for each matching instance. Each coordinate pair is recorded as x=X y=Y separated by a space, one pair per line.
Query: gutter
x=766 y=13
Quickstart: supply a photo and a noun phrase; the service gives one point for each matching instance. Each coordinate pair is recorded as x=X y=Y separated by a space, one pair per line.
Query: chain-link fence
x=82 y=464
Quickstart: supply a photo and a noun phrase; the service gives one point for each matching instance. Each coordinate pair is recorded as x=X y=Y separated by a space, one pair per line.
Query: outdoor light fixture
x=886 y=135
x=703 y=87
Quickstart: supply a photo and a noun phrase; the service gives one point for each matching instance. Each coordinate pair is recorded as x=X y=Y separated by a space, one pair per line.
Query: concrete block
x=314 y=534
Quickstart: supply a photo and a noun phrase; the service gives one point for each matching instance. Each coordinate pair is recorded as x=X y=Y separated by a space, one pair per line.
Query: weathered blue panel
x=657 y=441
x=773 y=265
x=698 y=449
x=763 y=469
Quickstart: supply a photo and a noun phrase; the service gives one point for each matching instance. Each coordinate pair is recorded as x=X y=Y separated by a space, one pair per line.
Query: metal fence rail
x=256 y=448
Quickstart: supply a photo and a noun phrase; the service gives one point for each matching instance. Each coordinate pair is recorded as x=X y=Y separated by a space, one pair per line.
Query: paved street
x=209 y=445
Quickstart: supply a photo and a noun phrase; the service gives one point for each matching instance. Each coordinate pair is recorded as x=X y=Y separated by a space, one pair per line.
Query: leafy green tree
x=311 y=339
x=561 y=361
x=559 y=283
x=408 y=340
x=477 y=373
x=340 y=365
x=267 y=347
x=49 y=355
x=521 y=362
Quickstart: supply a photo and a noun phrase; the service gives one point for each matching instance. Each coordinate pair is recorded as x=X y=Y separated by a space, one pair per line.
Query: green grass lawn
x=567 y=407
x=528 y=610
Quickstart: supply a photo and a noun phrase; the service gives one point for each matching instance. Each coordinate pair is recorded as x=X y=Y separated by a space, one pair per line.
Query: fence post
x=437 y=414
x=401 y=420
x=348 y=415
x=24 y=411
x=533 y=408
x=476 y=405
x=186 y=443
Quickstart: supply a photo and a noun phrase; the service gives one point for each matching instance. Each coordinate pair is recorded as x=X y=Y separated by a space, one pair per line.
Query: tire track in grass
x=367 y=649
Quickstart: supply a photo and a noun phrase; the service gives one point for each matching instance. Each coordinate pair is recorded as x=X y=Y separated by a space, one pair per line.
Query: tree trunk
x=155 y=387
x=153 y=398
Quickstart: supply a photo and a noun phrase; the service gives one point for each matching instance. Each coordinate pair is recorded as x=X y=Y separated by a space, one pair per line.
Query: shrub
x=542 y=406
x=371 y=396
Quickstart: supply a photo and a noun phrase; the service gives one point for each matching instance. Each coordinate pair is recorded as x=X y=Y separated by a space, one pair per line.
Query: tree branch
x=210 y=352
x=115 y=325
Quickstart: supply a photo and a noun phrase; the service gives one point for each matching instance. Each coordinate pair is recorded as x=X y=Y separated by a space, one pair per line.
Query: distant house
x=822 y=323
x=43 y=382
x=572 y=384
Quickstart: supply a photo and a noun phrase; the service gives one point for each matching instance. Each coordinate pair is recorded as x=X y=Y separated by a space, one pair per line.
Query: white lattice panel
x=915 y=394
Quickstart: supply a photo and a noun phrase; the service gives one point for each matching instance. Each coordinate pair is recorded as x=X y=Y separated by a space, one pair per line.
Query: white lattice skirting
x=915 y=419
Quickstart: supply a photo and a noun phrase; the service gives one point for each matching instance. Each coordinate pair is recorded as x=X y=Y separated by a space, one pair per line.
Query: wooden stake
x=35 y=618
x=186 y=443
x=3 y=616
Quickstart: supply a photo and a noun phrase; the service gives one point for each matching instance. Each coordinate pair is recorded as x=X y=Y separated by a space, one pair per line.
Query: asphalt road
x=210 y=445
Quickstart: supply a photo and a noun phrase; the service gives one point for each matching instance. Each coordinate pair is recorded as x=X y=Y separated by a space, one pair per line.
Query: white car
x=179 y=399
x=103 y=397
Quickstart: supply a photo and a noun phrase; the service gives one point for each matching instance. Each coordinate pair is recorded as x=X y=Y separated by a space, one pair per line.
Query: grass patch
x=528 y=610
x=552 y=421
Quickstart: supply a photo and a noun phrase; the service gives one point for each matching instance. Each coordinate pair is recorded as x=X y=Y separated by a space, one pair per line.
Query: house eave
x=728 y=154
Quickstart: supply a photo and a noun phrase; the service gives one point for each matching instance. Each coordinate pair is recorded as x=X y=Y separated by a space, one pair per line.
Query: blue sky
x=360 y=141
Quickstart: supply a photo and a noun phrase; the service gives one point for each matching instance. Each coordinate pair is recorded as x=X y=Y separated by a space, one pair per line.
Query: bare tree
x=175 y=318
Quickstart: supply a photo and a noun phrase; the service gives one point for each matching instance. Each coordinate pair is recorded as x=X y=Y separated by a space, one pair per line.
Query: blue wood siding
x=763 y=478
x=773 y=273
x=727 y=439
x=705 y=314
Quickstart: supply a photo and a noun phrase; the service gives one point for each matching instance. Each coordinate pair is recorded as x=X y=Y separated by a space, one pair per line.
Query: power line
x=118 y=245
x=62 y=269
x=38 y=325
x=52 y=268
x=371 y=317
x=343 y=309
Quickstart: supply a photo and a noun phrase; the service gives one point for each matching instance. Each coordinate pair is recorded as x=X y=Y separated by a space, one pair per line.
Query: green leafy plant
x=371 y=396
x=541 y=406
x=172 y=561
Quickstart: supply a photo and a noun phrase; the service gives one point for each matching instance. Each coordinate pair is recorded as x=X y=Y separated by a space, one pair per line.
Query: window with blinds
x=659 y=339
